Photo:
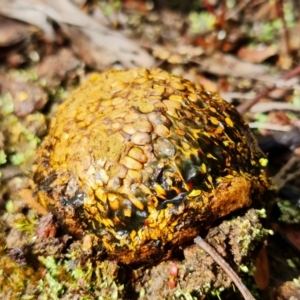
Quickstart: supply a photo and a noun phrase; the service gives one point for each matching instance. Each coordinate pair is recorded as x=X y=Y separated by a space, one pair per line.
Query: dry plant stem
x=280 y=12
x=244 y=107
x=269 y=126
x=281 y=178
x=225 y=266
x=223 y=14
x=209 y=8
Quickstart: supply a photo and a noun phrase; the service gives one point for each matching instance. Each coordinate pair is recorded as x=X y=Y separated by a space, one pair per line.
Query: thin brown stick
x=223 y=15
x=244 y=107
x=225 y=266
x=280 y=11
x=209 y=8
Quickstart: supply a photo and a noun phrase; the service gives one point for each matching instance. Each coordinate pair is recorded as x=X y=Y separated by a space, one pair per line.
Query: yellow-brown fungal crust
x=142 y=161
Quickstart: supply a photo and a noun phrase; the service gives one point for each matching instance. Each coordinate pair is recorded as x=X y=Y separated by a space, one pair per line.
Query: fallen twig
x=270 y=126
x=244 y=107
x=287 y=173
x=265 y=107
x=280 y=11
x=225 y=266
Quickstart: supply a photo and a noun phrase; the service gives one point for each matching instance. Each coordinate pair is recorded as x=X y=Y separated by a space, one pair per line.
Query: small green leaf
x=17 y=159
x=2 y=157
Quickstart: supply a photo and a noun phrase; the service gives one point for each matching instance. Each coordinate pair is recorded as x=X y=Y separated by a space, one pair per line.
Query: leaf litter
x=238 y=51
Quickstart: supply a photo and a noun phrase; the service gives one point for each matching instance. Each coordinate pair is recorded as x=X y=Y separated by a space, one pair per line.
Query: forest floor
x=247 y=52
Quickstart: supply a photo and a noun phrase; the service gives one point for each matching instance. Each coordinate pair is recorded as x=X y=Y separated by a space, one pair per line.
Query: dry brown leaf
x=294 y=39
x=262 y=274
x=32 y=12
x=108 y=46
x=266 y=11
x=58 y=67
x=225 y=64
x=207 y=84
x=27 y=96
x=292 y=233
x=13 y=32
x=257 y=55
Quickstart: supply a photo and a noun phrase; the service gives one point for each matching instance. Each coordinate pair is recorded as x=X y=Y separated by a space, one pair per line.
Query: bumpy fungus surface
x=142 y=160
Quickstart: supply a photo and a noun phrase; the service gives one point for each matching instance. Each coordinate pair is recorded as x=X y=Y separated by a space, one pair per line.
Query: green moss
x=6 y=104
x=201 y=22
x=9 y=206
x=68 y=276
x=16 y=279
x=26 y=225
x=290 y=213
x=20 y=143
x=17 y=159
x=56 y=278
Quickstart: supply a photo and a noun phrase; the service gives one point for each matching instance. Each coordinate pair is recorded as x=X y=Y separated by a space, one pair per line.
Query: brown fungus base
x=142 y=160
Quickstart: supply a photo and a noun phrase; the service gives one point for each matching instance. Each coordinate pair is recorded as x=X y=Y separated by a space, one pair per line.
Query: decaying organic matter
x=142 y=161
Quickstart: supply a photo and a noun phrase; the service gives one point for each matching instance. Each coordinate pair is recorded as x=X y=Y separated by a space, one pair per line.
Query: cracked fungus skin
x=142 y=161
